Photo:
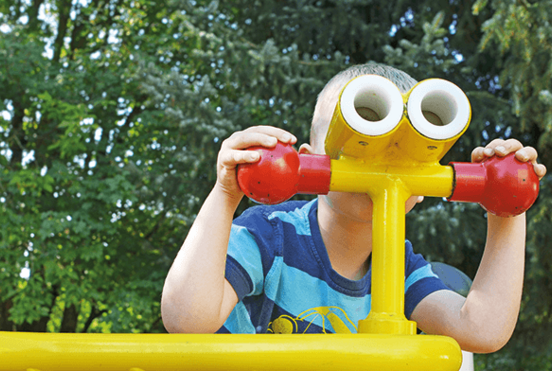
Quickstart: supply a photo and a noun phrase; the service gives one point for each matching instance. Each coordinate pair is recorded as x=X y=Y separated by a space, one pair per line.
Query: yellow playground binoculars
x=375 y=122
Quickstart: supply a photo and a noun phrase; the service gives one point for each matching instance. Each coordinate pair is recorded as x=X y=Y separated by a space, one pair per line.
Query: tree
x=110 y=136
x=113 y=112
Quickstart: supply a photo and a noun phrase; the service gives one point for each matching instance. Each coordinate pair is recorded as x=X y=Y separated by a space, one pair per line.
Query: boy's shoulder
x=289 y=211
x=276 y=226
x=262 y=235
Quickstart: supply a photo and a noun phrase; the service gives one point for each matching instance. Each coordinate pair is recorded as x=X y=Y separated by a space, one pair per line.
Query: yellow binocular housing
x=374 y=120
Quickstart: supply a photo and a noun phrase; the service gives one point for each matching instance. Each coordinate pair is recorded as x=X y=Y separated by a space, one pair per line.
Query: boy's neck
x=348 y=242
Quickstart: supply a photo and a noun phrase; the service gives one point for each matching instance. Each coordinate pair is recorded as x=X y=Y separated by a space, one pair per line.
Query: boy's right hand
x=233 y=152
x=196 y=296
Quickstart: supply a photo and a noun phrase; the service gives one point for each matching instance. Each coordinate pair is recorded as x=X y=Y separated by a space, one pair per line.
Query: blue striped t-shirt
x=279 y=267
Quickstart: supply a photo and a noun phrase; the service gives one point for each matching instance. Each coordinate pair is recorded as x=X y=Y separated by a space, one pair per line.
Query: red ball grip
x=282 y=172
x=503 y=186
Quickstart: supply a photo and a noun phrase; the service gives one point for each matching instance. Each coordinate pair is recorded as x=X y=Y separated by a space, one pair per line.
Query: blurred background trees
x=112 y=113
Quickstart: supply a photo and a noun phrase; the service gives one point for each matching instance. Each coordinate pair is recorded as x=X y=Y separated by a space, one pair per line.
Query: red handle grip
x=504 y=186
x=282 y=172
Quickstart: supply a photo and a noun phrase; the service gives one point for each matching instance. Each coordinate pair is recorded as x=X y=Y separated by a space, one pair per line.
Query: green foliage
x=112 y=114
x=520 y=36
x=430 y=56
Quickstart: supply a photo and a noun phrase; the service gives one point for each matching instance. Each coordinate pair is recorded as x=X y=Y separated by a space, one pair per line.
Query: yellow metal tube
x=388 y=263
x=162 y=352
x=388 y=220
x=353 y=175
x=438 y=113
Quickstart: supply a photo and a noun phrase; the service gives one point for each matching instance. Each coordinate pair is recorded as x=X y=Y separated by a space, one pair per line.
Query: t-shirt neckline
x=351 y=287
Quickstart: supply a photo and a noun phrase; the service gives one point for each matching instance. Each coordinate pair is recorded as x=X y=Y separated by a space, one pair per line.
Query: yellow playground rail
x=163 y=352
x=390 y=159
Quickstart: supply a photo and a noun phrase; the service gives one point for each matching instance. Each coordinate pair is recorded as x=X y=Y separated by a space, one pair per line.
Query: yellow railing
x=164 y=352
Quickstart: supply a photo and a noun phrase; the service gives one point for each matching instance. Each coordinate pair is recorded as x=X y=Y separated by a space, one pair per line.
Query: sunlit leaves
x=107 y=153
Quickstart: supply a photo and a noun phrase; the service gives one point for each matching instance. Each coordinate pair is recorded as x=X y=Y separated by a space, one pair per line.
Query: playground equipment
x=390 y=158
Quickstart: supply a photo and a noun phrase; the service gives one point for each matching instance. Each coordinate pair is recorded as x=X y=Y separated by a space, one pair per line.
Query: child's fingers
x=233 y=151
x=497 y=147
x=243 y=140
x=228 y=160
x=265 y=136
x=478 y=154
x=280 y=134
x=540 y=170
x=231 y=158
x=502 y=147
x=529 y=154
x=526 y=154
x=482 y=153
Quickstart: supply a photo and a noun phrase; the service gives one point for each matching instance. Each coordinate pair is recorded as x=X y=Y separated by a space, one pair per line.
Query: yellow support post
x=387 y=311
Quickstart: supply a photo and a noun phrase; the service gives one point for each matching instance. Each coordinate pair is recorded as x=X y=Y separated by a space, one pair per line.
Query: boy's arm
x=196 y=296
x=484 y=321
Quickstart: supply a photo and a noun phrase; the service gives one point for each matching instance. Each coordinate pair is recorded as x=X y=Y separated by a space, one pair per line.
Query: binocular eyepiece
x=372 y=119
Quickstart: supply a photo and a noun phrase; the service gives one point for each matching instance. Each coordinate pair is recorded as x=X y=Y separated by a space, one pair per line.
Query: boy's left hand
x=502 y=148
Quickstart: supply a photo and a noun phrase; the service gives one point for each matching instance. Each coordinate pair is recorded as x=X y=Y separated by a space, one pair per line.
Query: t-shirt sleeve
x=420 y=280
x=244 y=269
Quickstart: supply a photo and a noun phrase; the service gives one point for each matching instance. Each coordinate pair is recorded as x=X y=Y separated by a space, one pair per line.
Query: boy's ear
x=306 y=149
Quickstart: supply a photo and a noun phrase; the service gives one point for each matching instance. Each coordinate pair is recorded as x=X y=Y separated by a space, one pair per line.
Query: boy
x=305 y=266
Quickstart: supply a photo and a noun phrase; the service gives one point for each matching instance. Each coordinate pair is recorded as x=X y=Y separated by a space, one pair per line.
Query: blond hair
x=327 y=99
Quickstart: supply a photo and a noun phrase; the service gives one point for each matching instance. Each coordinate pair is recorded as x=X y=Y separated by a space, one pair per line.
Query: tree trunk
x=5 y=323
x=70 y=319
x=64 y=8
x=36 y=326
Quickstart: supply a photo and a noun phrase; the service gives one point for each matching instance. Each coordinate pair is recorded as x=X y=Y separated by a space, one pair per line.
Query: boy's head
x=327 y=99
x=355 y=205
